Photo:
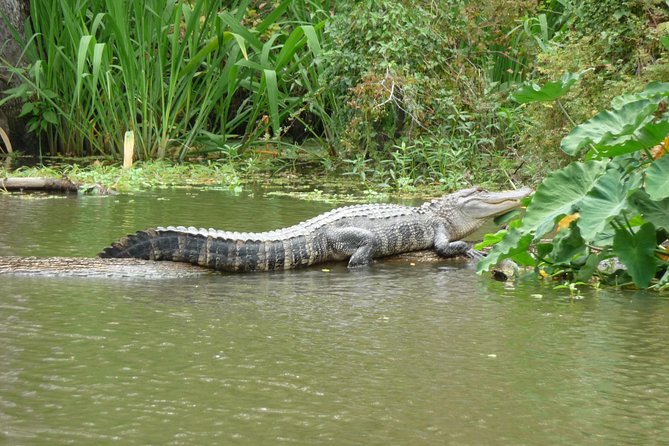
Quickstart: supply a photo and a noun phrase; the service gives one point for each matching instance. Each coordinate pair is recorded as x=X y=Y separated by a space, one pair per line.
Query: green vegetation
x=404 y=94
x=185 y=77
x=613 y=205
x=144 y=175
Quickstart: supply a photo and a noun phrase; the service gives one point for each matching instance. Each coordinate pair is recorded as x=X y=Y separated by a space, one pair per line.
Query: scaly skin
x=357 y=233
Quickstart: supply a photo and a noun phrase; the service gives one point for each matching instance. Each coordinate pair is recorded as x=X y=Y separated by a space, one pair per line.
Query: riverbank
x=94 y=176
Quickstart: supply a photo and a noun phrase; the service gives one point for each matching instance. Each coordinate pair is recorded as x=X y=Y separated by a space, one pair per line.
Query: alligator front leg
x=359 y=244
x=452 y=249
x=445 y=248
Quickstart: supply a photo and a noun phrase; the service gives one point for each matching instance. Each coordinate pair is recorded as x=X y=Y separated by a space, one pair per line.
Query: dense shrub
x=425 y=74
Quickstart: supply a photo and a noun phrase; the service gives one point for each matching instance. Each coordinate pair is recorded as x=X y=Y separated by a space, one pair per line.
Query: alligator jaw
x=483 y=204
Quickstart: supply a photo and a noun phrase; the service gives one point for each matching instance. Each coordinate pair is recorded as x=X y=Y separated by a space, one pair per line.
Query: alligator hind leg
x=359 y=244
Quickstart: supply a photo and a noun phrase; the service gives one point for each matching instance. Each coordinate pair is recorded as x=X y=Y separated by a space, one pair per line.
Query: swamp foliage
x=607 y=214
x=402 y=93
x=185 y=77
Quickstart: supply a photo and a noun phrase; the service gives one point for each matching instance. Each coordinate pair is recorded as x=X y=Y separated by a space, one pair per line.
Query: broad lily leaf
x=606 y=200
x=559 y=194
x=610 y=126
x=637 y=252
x=568 y=245
x=491 y=239
x=657 y=179
x=654 y=91
x=644 y=137
x=549 y=92
x=513 y=243
x=605 y=238
x=656 y=212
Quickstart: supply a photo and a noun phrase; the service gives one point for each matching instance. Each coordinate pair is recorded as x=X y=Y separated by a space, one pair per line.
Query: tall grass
x=182 y=75
x=511 y=60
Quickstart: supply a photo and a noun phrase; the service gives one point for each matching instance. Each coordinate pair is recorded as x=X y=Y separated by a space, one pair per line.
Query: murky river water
x=394 y=354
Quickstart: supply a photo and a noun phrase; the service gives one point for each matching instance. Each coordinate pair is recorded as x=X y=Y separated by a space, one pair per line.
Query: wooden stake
x=128 y=149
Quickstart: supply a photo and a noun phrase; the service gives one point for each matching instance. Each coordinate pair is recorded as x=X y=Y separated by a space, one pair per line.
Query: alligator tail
x=218 y=250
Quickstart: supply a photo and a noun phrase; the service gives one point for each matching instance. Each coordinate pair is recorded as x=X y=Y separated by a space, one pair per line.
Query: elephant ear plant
x=605 y=217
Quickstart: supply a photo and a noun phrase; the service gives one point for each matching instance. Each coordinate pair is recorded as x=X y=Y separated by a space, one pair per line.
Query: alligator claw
x=475 y=255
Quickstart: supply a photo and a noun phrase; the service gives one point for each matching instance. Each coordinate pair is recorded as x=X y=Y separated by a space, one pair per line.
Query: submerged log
x=95 y=267
x=423 y=256
x=148 y=269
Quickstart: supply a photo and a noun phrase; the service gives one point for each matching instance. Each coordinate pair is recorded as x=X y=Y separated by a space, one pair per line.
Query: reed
x=183 y=76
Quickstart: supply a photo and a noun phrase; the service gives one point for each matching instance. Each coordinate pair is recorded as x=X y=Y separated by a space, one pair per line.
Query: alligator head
x=465 y=211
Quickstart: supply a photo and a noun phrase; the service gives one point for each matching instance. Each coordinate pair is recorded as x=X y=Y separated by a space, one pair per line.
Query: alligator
x=359 y=233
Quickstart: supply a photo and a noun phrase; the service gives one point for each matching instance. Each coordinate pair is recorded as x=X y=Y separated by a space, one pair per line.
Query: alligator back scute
x=190 y=247
x=165 y=245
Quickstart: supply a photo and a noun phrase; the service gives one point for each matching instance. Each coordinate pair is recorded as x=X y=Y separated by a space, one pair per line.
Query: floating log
x=95 y=267
x=48 y=185
x=37 y=183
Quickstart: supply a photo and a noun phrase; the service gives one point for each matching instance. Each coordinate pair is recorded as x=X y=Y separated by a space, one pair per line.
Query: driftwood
x=47 y=184
x=95 y=267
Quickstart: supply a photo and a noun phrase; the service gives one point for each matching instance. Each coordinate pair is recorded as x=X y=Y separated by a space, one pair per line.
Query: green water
x=394 y=354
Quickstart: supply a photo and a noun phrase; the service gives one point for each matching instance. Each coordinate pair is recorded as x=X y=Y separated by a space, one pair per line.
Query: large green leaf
x=568 y=245
x=657 y=179
x=656 y=212
x=513 y=243
x=654 y=91
x=644 y=137
x=607 y=199
x=637 y=252
x=548 y=92
x=610 y=126
x=560 y=194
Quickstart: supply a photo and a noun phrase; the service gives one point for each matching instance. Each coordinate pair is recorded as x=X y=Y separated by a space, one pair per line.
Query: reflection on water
x=393 y=354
